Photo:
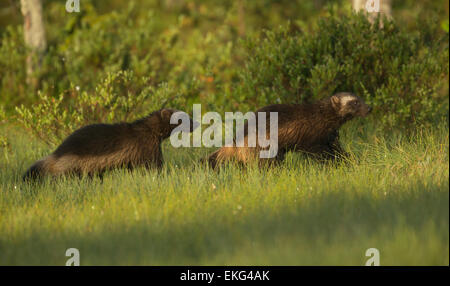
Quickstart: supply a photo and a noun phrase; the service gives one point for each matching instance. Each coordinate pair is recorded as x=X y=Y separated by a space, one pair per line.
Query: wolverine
x=93 y=149
x=311 y=128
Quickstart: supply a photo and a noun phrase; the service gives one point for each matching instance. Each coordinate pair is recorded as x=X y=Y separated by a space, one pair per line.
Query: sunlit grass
x=392 y=194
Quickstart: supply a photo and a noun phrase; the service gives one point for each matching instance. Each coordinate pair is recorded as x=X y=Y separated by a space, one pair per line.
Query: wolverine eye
x=354 y=103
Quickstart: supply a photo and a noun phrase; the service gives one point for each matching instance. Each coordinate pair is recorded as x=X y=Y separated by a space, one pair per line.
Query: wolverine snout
x=366 y=111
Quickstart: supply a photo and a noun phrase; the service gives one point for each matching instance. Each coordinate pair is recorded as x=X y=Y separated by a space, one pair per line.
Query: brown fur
x=96 y=148
x=309 y=128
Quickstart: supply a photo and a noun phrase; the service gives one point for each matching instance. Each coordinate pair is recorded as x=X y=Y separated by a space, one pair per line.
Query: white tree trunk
x=385 y=8
x=34 y=35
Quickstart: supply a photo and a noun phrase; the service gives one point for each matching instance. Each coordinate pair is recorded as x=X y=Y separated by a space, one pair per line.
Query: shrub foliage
x=119 y=97
x=404 y=75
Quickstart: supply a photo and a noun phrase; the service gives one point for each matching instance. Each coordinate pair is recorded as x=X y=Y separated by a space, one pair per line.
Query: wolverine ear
x=335 y=102
x=166 y=113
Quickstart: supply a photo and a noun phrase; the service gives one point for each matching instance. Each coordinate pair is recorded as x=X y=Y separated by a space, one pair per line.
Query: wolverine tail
x=34 y=172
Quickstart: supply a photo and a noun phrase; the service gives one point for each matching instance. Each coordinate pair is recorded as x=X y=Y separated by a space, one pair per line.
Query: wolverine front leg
x=336 y=149
x=154 y=164
x=327 y=153
x=275 y=161
x=338 y=152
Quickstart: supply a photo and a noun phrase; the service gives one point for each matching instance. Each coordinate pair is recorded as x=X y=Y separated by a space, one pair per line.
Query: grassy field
x=392 y=195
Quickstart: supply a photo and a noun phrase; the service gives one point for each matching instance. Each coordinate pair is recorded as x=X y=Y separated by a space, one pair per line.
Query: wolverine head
x=172 y=118
x=348 y=105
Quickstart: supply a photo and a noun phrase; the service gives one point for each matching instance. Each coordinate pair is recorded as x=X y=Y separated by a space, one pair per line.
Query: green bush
x=12 y=67
x=404 y=75
x=84 y=47
x=119 y=97
x=182 y=43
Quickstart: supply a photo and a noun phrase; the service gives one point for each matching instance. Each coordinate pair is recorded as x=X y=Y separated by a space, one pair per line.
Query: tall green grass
x=393 y=195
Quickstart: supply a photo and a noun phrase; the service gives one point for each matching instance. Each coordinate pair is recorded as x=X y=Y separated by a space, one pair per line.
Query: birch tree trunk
x=34 y=36
x=385 y=8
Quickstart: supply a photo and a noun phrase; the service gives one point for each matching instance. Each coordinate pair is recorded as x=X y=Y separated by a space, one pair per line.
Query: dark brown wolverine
x=96 y=148
x=311 y=128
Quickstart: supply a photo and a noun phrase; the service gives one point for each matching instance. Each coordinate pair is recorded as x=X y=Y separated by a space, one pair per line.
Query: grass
x=392 y=195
